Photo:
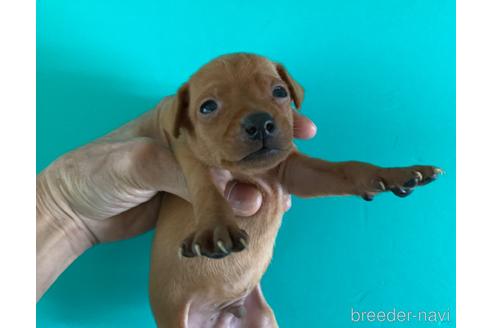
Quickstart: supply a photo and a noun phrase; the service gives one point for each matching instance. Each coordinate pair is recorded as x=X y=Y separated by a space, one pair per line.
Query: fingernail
x=304 y=128
x=287 y=202
x=244 y=199
x=313 y=129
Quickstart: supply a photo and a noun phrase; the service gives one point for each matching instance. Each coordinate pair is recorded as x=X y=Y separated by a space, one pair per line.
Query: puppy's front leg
x=309 y=177
x=216 y=234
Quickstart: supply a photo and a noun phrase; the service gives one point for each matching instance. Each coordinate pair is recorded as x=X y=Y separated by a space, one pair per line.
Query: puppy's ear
x=180 y=109
x=295 y=89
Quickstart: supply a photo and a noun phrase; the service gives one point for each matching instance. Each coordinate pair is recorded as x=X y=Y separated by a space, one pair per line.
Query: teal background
x=380 y=84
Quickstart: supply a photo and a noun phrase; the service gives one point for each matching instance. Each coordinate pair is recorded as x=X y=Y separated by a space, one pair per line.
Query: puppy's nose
x=259 y=126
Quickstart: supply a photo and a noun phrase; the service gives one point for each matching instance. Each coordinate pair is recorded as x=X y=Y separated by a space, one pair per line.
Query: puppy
x=235 y=117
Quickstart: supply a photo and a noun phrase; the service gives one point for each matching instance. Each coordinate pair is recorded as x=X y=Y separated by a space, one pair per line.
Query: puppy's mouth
x=265 y=153
x=262 y=153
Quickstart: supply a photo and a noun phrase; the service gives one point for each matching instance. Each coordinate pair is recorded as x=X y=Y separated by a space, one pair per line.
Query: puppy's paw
x=215 y=242
x=401 y=181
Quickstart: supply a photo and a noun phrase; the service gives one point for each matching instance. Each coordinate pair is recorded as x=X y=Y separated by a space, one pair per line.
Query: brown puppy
x=234 y=117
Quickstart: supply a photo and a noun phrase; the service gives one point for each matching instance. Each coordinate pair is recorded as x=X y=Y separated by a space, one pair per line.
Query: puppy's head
x=236 y=112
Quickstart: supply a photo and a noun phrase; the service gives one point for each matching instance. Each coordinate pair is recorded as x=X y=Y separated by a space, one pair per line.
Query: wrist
x=59 y=238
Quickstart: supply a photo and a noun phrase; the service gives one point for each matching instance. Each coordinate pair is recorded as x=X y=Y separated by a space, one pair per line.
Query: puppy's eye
x=279 y=92
x=208 y=107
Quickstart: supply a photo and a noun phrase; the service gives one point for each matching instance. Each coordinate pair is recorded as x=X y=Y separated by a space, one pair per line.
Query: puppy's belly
x=207 y=286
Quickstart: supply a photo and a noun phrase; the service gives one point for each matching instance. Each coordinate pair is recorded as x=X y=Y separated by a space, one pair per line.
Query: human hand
x=109 y=190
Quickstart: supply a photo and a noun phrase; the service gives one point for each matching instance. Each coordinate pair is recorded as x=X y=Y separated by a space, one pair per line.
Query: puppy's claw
x=221 y=246
x=419 y=176
x=185 y=252
x=381 y=185
x=243 y=242
x=196 y=248
x=439 y=171
x=367 y=197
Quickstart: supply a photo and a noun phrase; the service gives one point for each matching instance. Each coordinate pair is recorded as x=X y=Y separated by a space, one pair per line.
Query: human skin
x=109 y=189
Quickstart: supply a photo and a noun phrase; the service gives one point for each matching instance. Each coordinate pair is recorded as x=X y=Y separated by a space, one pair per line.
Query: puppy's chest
x=263 y=227
x=246 y=268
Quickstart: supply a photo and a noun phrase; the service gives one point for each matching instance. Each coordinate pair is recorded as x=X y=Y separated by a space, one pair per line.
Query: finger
x=152 y=167
x=287 y=201
x=245 y=199
x=128 y=224
x=304 y=128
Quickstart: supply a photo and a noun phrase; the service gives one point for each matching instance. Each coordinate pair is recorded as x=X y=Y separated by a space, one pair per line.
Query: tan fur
x=183 y=288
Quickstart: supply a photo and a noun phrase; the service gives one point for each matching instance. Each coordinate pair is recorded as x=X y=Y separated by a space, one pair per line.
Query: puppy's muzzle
x=259 y=126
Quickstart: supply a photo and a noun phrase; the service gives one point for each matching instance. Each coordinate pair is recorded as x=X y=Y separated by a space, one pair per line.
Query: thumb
x=304 y=128
x=150 y=166
x=245 y=199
